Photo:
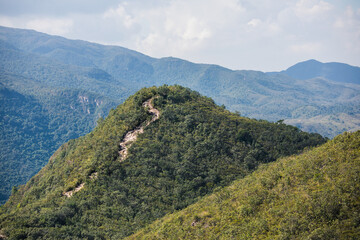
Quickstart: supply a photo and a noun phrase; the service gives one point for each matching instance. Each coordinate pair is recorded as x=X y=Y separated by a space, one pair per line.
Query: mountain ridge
x=40 y=63
x=194 y=147
x=335 y=71
x=226 y=86
x=313 y=195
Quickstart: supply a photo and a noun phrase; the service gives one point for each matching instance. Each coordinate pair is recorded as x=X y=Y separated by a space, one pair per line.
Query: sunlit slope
x=315 y=195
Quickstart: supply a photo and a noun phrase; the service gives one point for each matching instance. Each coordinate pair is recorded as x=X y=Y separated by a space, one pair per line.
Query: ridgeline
x=192 y=148
x=314 y=195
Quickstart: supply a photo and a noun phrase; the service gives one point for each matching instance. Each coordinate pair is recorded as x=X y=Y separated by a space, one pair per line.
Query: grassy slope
x=315 y=195
x=194 y=147
x=30 y=60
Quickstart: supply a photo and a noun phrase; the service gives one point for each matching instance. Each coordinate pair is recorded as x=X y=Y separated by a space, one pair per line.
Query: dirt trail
x=131 y=136
x=125 y=144
x=70 y=193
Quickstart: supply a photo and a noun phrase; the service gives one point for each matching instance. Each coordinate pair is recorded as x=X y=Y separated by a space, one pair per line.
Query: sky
x=265 y=35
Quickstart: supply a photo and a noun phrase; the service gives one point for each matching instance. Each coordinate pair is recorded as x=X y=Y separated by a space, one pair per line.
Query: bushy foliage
x=33 y=126
x=314 y=195
x=31 y=61
x=194 y=147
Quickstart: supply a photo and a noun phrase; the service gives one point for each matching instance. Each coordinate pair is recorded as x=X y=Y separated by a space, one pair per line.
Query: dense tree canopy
x=194 y=147
x=314 y=195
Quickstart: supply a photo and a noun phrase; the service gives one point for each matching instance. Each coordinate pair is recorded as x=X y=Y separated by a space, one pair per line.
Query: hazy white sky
x=267 y=35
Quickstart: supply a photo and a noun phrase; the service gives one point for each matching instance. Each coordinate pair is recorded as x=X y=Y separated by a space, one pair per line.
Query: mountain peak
x=338 y=72
x=179 y=146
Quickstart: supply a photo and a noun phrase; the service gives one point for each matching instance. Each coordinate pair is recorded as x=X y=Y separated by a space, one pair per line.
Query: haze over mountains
x=54 y=89
x=332 y=71
x=117 y=72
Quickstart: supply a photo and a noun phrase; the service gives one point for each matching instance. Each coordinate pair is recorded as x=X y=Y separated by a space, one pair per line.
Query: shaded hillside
x=314 y=195
x=54 y=73
x=31 y=61
x=35 y=122
x=270 y=96
x=192 y=148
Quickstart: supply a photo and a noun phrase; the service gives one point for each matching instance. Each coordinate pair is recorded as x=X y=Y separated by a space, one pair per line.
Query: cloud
x=306 y=48
x=239 y=34
x=54 y=8
x=6 y=21
x=120 y=14
x=308 y=9
x=51 y=26
x=254 y=22
x=180 y=27
x=347 y=26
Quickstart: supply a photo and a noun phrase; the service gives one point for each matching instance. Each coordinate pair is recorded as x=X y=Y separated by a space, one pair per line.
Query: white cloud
x=306 y=48
x=254 y=22
x=240 y=34
x=6 y=21
x=180 y=27
x=120 y=14
x=51 y=26
x=308 y=9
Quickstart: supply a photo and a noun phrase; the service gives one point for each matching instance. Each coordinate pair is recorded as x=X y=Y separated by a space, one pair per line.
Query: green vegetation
x=43 y=68
x=326 y=88
x=193 y=148
x=315 y=195
x=36 y=121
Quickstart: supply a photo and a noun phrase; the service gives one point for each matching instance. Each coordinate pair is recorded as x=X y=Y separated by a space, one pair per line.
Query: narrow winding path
x=131 y=136
x=125 y=144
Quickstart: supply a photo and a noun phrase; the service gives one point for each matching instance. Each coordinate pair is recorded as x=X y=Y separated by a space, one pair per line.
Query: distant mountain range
x=338 y=72
x=50 y=83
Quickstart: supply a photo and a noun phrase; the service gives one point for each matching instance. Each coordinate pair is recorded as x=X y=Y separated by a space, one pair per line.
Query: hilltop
x=314 y=195
x=305 y=90
x=181 y=147
x=334 y=71
x=55 y=74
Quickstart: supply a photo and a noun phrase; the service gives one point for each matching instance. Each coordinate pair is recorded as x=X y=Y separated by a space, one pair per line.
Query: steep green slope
x=36 y=121
x=315 y=195
x=30 y=61
x=194 y=147
x=39 y=111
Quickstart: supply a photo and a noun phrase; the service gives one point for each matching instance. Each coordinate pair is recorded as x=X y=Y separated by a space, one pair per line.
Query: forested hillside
x=314 y=195
x=303 y=91
x=52 y=73
x=88 y=190
x=35 y=121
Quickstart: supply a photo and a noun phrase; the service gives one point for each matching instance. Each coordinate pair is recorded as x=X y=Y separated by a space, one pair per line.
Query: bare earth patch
x=131 y=136
x=70 y=193
x=125 y=144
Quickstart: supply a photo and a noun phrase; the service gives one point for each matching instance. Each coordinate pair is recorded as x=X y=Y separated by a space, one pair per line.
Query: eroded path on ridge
x=126 y=143
x=131 y=136
x=71 y=192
